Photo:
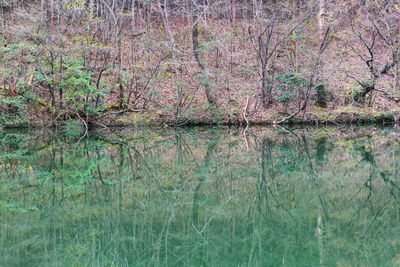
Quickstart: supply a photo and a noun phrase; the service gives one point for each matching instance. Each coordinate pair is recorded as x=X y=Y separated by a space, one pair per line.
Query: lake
x=201 y=197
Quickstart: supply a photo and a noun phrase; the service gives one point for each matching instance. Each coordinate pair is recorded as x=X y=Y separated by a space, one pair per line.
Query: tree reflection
x=206 y=197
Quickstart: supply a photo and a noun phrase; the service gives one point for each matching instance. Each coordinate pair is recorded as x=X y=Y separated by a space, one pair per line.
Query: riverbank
x=342 y=116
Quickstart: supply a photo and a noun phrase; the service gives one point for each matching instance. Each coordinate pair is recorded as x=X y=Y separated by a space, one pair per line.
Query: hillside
x=99 y=63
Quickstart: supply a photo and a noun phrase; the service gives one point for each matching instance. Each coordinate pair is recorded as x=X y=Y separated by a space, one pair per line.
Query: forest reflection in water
x=201 y=196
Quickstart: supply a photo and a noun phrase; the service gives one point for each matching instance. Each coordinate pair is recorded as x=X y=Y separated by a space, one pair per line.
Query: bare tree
x=196 y=16
x=268 y=34
x=377 y=31
x=311 y=79
x=322 y=27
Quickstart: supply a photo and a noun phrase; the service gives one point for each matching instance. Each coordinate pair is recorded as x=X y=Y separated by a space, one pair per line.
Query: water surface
x=201 y=197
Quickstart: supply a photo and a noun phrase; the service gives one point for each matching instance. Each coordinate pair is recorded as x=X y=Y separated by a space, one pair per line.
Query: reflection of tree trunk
x=321 y=149
x=374 y=168
x=212 y=145
x=131 y=161
x=52 y=165
x=62 y=171
x=120 y=173
x=320 y=239
x=180 y=157
x=196 y=196
x=322 y=212
x=265 y=156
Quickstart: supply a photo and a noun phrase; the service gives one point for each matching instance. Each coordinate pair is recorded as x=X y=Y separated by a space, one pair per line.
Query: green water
x=201 y=197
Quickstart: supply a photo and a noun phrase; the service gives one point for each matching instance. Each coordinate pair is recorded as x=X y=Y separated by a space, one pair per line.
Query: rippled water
x=201 y=197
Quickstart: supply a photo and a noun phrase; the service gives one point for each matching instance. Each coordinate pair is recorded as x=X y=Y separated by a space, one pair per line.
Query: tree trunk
x=164 y=18
x=266 y=94
x=265 y=54
x=320 y=88
x=119 y=79
x=133 y=18
x=233 y=11
x=397 y=74
x=196 y=51
x=293 y=39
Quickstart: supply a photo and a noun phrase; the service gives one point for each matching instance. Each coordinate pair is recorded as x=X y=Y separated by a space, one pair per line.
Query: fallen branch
x=86 y=127
x=117 y=112
x=388 y=95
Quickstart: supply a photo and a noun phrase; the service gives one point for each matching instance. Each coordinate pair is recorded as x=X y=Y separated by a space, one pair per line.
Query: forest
x=96 y=63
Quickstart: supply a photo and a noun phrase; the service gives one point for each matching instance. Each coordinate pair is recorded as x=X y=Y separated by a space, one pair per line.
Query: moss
x=139 y=119
x=351 y=113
